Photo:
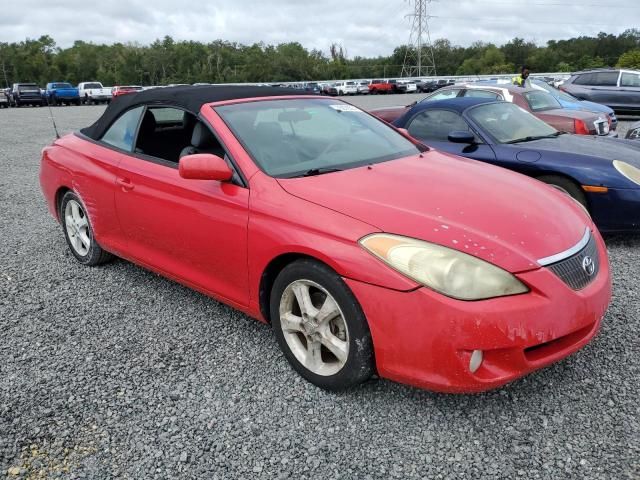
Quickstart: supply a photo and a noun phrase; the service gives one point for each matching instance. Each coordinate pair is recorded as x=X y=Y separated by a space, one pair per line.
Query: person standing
x=522 y=80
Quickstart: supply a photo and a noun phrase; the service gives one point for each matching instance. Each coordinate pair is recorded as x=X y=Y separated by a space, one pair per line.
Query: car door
x=629 y=96
x=604 y=88
x=191 y=230
x=433 y=127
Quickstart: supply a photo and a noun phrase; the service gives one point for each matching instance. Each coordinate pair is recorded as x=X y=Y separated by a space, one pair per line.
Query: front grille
x=574 y=271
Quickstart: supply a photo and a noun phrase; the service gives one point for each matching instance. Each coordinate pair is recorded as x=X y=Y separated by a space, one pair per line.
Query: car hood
x=494 y=214
x=570 y=113
x=589 y=145
x=594 y=107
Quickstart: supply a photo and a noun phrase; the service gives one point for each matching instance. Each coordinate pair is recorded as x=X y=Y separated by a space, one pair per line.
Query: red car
x=366 y=251
x=537 y=102
x=122 y=90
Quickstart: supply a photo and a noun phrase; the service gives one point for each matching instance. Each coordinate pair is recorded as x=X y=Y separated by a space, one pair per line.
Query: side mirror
x=461 y=137
x=204 y=166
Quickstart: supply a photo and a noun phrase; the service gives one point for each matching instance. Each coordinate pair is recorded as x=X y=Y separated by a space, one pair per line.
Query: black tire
x=95 y=255
x=567 y=186
x=359 y=364
x=87 y=100
x=53 y=101
x=78 y=102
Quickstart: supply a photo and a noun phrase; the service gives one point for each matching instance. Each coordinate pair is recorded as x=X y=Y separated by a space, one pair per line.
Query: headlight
x=629 y=171
x=450 y=272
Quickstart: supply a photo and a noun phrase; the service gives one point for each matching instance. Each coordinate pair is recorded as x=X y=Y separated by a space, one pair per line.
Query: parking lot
x=115 y=372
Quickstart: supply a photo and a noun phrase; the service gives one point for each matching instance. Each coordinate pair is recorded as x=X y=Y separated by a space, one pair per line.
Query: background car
x=59 y=93
x=4 y=100
x=379 y=86
x=601 y=173
x=616 y=88
x=124 y=89
x=94 y=93
x=572 y=103
x=539 y=103
x=363 y=87
x=25 y=94
x=406 y=86
x=265 y=204
x=633 y=133
x=344 y=88
x=312 y=87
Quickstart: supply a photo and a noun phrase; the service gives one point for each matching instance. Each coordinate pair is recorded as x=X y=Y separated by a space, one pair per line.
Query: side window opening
x=164 y=132
x=121 y=133
x=436 y=125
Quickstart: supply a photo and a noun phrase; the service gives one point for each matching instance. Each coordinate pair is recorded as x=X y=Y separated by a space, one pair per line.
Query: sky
x=364 y=28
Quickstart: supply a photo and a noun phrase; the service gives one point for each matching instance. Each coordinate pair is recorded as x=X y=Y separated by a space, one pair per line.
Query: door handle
x=125 y=183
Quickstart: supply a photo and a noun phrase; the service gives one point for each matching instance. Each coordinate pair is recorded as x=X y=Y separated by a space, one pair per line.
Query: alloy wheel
x=314 y=327
x=77 y=226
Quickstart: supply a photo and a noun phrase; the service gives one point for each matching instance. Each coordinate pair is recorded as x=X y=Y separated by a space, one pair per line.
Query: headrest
x=202 y=137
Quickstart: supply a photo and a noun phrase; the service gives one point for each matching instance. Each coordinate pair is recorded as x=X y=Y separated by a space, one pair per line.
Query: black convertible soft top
x=190 y=98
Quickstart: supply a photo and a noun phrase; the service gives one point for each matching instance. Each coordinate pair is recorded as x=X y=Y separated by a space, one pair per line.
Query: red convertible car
x=366 y=251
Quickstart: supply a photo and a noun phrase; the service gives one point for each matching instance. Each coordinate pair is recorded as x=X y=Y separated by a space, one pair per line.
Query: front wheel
x=79 y=233
x=320 y=326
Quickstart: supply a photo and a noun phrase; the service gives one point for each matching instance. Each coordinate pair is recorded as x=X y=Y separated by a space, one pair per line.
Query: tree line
x=168 y=61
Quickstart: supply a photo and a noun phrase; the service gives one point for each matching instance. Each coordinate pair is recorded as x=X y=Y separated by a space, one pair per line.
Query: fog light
x=476 y=361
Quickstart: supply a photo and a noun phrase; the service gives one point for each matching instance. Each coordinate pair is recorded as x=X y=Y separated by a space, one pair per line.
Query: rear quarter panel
x=89 y=170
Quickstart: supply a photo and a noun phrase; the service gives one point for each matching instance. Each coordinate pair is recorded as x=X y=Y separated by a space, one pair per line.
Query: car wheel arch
x=543 y=177
x=271 y=272
x=60 y=193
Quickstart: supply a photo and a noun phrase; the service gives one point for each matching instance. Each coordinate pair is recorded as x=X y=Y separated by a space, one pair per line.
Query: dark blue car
x=601 y=173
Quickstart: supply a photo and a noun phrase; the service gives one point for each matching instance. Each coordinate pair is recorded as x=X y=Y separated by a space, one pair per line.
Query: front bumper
x=617 y=210
x=424 y=339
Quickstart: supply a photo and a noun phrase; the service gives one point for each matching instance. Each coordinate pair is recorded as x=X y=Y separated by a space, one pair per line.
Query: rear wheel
x=320 y=326
x=566 y=186
x=78 y=232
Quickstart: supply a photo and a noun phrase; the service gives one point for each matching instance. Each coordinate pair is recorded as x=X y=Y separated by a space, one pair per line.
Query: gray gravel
x=115 y=372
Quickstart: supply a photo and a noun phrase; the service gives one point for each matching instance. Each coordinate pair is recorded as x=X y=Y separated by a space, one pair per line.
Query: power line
x=510 y=20
x=582 y=5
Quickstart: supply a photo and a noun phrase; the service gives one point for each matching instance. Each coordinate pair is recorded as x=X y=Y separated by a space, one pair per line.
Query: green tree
x=630 y=59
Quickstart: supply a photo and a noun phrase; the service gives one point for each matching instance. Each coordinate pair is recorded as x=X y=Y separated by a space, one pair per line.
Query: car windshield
x=508 y=123
x=539 y=101
x=92 y=85
x=559 y=94
x=61 y=85
x=296 y=137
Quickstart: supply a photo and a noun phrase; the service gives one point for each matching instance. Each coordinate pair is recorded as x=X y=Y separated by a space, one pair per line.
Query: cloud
x=369 y=28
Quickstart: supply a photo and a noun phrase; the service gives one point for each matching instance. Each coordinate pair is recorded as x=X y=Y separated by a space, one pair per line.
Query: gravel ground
x=115 y=372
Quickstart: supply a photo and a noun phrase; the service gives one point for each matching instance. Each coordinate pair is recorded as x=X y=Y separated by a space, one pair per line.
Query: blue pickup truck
x=58 y=93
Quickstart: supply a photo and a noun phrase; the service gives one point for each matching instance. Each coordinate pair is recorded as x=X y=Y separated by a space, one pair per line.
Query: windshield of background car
x=92 y=85
x=287 y=138
x=61 y=85
x=559 y=94
x=539 y=101
x=507 y=122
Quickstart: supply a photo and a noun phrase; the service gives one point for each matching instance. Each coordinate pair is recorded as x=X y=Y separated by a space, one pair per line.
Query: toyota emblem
x=588 y=265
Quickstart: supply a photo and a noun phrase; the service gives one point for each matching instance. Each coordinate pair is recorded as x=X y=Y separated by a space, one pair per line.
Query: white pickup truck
x=93 y=93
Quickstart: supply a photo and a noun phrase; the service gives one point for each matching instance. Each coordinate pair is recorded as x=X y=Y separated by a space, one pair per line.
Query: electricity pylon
x=418 y=60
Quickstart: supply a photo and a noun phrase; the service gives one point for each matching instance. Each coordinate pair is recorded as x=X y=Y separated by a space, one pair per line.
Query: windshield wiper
x=316 y=171
x=319 y=171
x=535 y=137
